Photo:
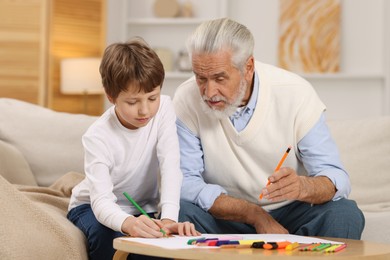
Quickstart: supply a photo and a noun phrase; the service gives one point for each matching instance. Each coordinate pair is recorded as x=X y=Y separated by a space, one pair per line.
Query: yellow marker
x=248 y=242
x=292 y=246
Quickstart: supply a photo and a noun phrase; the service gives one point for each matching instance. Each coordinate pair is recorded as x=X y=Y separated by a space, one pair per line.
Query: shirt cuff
x=208 y=195
x=170 y=211
x=118 y=221
x=340 y=180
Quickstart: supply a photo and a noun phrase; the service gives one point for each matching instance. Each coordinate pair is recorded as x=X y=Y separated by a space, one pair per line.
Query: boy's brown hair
x=131 y=63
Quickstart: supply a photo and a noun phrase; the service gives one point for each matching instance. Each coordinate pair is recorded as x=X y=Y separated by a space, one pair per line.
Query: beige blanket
x=33 y=222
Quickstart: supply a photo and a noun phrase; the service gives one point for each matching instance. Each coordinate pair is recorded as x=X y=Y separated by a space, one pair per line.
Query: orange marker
x=276 y=245
x=278 y=166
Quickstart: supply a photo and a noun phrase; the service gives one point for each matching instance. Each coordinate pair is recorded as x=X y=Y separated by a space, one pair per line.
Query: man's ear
x=249 y=68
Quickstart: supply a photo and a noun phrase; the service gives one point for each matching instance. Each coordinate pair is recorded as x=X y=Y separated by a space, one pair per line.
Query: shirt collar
x=250 y=107
x=253 y=99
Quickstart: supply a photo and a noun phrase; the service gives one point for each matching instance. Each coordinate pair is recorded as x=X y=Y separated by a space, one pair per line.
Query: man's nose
x=211 y=89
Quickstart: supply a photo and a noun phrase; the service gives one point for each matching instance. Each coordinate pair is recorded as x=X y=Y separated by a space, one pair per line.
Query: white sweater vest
x=287 y=108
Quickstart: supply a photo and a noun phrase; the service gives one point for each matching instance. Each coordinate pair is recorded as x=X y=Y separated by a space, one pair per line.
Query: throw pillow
x=49 y=140
x=14 y=167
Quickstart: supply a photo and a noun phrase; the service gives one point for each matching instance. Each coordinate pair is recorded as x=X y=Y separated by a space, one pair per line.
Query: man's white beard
x=231 y=108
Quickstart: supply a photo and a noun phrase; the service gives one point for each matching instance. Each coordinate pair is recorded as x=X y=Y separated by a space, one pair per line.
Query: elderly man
x=236 y=118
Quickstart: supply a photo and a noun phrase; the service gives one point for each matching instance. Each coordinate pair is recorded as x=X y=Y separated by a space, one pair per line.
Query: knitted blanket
x=33 y=222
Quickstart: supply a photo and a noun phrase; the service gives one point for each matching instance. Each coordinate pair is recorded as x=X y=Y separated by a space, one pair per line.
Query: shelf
x=341 y=76
x=324 y=76
x=139 y=19
x=165 y=21
x=178 y=75
x=318 y=76
x=327 y=76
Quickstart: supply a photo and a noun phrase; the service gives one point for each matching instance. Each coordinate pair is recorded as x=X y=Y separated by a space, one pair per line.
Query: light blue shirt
x=318 y=152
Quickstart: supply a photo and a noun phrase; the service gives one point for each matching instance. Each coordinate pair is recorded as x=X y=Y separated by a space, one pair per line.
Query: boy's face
x=135 y=109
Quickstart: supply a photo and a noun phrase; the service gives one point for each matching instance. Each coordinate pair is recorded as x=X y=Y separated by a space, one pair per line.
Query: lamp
x=80 y=76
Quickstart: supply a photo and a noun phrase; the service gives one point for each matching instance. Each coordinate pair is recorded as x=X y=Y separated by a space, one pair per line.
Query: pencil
x=141 y=209
x=335 y=248
x=309 y=247
x=278 y=167
x=322 y=246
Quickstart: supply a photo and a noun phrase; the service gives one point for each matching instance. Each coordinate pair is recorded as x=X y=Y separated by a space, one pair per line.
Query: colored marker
x=292 y=246
x=206 y=243
x=242 y=244
x=227 y=242
x=141 y=209
x=203 y=239
x=234 y=244
x=249 y=242
x=211 y=242
x=193 y=240
x=276 y=245
x=258 y=244
x=278 y=167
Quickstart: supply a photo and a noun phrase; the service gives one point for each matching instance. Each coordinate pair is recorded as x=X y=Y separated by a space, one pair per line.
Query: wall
x=77 y=29
x=35 y=35
x=361 y=89
x=23 y=45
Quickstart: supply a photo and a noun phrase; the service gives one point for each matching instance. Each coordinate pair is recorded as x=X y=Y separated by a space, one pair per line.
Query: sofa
x=41 y=159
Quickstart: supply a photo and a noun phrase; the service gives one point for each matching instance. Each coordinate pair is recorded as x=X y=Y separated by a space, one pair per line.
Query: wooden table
x=356 y=249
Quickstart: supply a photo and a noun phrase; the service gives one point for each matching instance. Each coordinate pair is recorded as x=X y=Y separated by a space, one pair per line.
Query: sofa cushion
x=14 y=167
x=364 y=145
x=50 y=141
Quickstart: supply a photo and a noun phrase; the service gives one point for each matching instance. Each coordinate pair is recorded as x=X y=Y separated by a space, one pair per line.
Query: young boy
x=133 y=147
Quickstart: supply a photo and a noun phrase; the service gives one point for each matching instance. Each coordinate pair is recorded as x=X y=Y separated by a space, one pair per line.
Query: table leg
x=120 y=255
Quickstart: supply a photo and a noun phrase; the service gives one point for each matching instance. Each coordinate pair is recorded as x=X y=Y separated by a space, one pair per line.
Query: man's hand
x=265 y=224
x=233 y=209
x=286 y=184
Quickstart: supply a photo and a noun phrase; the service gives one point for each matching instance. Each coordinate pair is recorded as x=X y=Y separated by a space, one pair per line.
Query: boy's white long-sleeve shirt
x=144 y=163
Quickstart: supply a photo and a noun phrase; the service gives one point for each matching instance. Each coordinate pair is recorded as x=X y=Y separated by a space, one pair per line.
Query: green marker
x=141 y=209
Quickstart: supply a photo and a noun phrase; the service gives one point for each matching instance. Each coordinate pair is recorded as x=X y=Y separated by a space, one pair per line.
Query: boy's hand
x=142 y=226
x=180 y=228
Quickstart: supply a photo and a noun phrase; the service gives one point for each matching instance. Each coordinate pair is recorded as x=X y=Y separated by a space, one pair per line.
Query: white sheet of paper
x=177 y=242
